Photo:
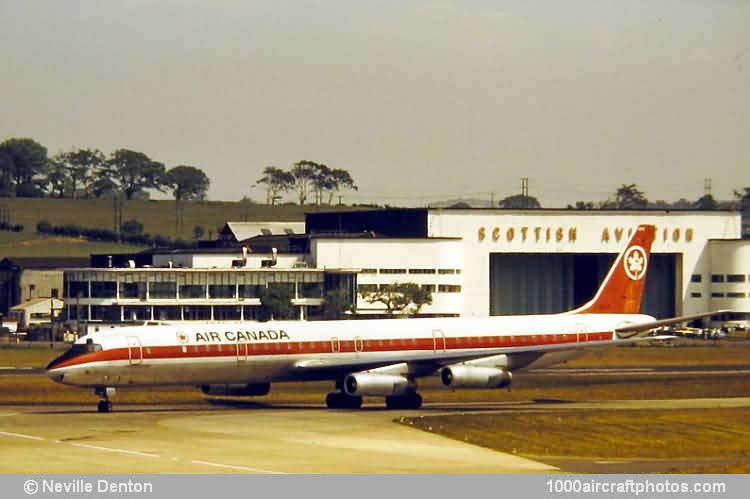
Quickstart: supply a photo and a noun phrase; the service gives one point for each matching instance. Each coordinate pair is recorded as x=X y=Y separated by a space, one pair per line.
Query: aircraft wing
x=425 y=362
x=648 y=326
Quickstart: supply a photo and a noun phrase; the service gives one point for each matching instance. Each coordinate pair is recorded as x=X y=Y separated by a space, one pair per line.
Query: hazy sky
x=415 y=99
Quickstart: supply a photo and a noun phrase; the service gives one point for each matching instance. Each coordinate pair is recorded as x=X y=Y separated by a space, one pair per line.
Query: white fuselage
x=254 y=352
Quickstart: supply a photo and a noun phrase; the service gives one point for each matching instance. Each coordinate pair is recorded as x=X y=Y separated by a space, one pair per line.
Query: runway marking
x=8 y=414
x=119 y=451
x=20 y=435
x=239 y=468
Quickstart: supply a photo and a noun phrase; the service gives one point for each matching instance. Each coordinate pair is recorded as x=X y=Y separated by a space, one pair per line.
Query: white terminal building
x=476 y=262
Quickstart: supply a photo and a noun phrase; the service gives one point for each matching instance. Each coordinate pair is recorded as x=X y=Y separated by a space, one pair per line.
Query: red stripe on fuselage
x=233 y=350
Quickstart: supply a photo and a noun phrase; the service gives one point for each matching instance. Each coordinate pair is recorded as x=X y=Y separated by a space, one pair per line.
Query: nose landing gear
x=104 y=405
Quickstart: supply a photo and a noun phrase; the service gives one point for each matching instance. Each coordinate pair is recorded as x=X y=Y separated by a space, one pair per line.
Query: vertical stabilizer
x=622 y=290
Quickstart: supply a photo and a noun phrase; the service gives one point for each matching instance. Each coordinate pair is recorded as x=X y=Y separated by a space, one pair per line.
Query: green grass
x=30 y=244
x=691 y=353
x=603 y=434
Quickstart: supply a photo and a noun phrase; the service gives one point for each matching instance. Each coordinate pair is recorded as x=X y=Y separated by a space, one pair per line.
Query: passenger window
x=380 y=343
x=266 y=347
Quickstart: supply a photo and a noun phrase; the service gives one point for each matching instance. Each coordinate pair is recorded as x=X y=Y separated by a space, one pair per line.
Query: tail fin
x=622 y=289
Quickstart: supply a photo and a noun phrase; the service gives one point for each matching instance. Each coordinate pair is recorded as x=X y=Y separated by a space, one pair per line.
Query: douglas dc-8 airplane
x=363 y=357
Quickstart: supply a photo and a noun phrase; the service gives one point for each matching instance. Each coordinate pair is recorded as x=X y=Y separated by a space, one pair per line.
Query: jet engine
x=384 y=385
x=465 y=376
x=238 y=390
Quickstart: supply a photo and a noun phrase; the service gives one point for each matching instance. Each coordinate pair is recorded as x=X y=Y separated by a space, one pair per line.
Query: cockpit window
x=77 y=350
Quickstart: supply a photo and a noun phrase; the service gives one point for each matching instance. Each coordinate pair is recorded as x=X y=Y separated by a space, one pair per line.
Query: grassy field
x=31 y=244
x=687 y=352
x=603 y=434
x=157 y=216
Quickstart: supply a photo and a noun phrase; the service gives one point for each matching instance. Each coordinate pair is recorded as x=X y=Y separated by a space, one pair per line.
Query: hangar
x=540 y=261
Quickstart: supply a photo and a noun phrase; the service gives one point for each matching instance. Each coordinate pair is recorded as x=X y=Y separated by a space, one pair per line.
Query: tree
x=629 y=197
x=133 y=172
x=398 y=297
x=336 y=303
x=24 y=162
x=132 y=228
x=340 y=179
x=322 y=180
x=83 y=166
x=706 y=202
x=57 y=177
x=187 y=182
x=276 y=181
x=276 y=303
x=304 y=175
x=520 y=202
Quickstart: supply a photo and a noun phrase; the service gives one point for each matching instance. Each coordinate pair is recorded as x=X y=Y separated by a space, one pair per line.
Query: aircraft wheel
x=104 y=406
x=410 y=401
x=339 y=400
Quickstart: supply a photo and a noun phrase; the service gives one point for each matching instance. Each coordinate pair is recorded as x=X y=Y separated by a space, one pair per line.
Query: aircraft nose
x=56 y=376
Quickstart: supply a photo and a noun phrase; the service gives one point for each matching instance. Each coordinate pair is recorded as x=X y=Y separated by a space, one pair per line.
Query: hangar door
x=543 y=283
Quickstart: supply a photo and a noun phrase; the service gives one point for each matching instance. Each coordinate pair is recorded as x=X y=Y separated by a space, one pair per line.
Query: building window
x=696 y=278
x=162 y=290
x=103 y=289
x=695 y=295
x=735 y=295
x=251 y=290
x=199 y=313
x=717 y=295
x=364 y=289
x=449 y=288
x=227 y=313
x=134 y=290
x=735 y=277
x=393 y=271
x=282 y=287
x=251 y=313
x=135 y=313
x=717 y=277
x=428 y=287
x=105 y=313
x=368 y=271
x=221 y=291
x=189 y=291
x=449 y=271
x=167 y=313
x=311 y=290
x=421 y=271
x=55 y=293
x=78 y=289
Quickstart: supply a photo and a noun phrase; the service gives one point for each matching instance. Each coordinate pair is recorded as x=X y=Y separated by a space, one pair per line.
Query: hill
x=157 y=216
x=29 y=244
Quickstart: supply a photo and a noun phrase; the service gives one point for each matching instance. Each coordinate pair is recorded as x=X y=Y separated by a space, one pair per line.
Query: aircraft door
x=241 y=352
x=438 y=341
x=358 y=345
x=335 y=345
x=580 y=332
x=135 y=350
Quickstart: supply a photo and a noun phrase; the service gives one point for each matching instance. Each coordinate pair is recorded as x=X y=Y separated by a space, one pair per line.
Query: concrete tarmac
x=249 y=440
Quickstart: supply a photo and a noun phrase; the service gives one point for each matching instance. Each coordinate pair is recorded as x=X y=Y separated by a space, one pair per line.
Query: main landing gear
x=104 y=405
x=407 y=401
x=340 y=400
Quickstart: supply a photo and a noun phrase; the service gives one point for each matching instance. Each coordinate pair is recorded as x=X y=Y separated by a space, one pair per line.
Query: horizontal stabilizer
x=648 y=326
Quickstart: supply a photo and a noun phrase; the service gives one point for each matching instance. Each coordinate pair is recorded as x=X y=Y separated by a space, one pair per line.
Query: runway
x=250 y=440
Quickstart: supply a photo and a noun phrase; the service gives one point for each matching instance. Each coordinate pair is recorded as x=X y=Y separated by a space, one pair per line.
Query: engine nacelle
x=463 y=376
x=238 y=390
x=383 y=385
